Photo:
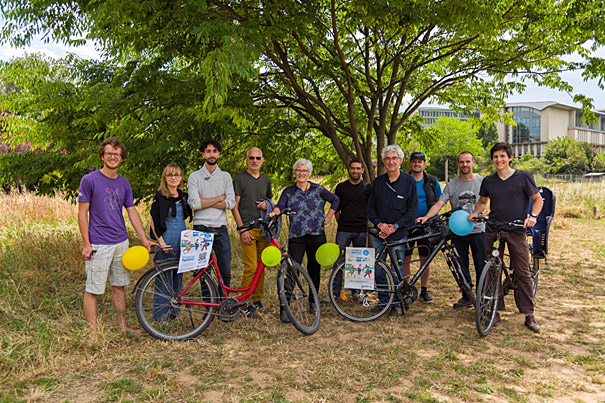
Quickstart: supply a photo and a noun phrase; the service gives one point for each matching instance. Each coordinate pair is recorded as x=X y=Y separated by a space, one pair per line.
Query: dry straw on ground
x=431 y=354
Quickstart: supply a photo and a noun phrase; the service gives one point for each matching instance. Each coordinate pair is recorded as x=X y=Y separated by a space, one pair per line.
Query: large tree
x=355 y=71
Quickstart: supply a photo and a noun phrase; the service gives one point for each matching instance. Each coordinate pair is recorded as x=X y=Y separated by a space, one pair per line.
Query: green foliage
x=598 y=162
x=565 y=155
x=488 y=134
x=353 y=71
x=451 y=136
x=532 y=164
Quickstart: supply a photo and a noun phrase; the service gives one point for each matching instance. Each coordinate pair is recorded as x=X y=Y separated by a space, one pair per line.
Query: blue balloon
x=459 y=223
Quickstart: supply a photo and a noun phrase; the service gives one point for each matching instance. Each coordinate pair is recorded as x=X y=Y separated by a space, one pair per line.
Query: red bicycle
x=180 y=306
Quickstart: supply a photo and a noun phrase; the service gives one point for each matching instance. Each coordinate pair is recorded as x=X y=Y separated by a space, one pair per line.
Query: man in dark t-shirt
x=351 y=215
x=252 y=190
x=509 y=191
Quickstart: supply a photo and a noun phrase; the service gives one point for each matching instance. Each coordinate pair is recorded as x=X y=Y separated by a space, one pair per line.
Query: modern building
x=537 y=123
x=431 y=114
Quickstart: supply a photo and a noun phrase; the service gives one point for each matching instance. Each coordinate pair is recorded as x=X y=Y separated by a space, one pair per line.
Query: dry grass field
x=431 y=354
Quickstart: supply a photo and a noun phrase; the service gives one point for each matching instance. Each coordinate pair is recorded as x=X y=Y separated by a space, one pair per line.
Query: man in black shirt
x=509 y=191
x=351 y=215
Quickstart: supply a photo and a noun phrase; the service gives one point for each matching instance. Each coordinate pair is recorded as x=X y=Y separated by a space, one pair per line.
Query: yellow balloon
x=327 y=254
x=271 y=256
x=135 y=257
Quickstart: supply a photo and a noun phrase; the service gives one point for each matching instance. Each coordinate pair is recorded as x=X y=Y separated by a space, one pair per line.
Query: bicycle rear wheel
x=488 y=291
x=298 y=297
x=362 y=305
x=161 y=313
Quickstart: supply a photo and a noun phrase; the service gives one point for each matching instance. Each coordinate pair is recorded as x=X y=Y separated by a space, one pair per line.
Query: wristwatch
x=396 y=226
x=533 y=215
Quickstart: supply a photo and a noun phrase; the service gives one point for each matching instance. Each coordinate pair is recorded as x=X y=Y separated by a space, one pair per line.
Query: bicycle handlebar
x=259 y=221
x=499 y=224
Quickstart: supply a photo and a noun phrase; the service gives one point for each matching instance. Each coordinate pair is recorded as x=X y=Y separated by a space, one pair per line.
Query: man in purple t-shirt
x=102 y=195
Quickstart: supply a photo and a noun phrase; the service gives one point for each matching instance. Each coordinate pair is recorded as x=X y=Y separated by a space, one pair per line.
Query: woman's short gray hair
x=302 y=161
x=393 y=148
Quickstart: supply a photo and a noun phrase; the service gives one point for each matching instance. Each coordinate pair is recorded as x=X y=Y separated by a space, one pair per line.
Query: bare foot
x=130 y=332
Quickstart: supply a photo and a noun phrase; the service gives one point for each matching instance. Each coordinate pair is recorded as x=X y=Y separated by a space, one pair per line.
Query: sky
x=532 y=93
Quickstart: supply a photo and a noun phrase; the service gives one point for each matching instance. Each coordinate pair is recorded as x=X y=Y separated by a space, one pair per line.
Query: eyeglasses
x=114 y=155
x=387 y=159
x=301 y=171
x=174 y=176
x=254 y=158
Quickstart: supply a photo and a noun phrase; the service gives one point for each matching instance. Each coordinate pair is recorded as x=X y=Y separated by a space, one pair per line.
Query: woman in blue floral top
x=307 y=200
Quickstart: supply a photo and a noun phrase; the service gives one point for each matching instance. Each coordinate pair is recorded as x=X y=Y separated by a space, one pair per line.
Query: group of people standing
x=393 y=203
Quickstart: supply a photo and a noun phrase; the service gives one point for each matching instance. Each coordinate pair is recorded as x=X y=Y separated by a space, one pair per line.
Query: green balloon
x=271 y=256
x=327 y=254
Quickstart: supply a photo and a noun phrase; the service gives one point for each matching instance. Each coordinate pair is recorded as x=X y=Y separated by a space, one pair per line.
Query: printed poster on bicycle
x=196 y=248
x=359 y=268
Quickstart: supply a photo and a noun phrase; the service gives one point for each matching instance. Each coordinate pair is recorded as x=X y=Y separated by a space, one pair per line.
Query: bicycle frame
x=246 y=291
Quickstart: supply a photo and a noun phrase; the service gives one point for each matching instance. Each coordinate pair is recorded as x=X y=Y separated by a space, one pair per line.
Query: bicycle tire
x=162 y=316
x=358 y=308
x=488 y=291
x=534 y=271
x=298 y=297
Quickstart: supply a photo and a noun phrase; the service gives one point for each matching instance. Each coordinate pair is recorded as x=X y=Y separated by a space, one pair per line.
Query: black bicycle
x=390 y=288
x=490 y=283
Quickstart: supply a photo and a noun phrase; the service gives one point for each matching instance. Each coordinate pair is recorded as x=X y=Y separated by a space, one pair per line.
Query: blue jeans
x=221 y=248
x=358 y=239
x=477 y=244
x=344 y=239
x=395 y=267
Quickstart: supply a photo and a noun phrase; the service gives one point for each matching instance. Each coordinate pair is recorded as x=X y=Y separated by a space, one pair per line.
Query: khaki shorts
x=107 y=259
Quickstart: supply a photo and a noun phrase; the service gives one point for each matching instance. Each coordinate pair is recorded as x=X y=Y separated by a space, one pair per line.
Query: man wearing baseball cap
x=429 y=192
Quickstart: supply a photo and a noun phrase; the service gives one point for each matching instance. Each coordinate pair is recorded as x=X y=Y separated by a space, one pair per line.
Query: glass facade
x=528 y=125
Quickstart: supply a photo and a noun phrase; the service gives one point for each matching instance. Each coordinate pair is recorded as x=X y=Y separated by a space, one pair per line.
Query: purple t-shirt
x=106 y=196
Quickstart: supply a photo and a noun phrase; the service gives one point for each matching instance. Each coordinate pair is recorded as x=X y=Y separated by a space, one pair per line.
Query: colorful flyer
x=196 y=248
x=359 y=268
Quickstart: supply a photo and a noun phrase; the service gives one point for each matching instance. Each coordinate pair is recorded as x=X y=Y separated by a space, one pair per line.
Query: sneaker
x=312 y=307
x=396 y=311
x=532 y=324
x=250 y=312
x=426 y=298
x=463 y=302
x=258 y=305
x=283 y=315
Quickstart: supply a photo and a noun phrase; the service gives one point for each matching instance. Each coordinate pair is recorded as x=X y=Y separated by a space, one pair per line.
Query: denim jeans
x=476 y=243
x=380 y=278
x=222 y=250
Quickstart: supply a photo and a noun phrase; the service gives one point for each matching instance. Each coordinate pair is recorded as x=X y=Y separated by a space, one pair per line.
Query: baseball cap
x=417 y=155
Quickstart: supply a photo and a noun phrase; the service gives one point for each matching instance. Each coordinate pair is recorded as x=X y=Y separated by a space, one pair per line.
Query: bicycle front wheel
x=163 y=315
x=534 y=271
x=298 y=297
x=362 y=305
x=488 y=290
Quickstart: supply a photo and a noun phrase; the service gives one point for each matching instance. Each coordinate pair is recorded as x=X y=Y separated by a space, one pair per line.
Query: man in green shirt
x=251 y=190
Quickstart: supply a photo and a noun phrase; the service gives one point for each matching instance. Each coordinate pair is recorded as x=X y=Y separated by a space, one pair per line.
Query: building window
x=528 y=125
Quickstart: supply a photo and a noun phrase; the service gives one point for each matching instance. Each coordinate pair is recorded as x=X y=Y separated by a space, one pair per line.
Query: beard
x=211 y=162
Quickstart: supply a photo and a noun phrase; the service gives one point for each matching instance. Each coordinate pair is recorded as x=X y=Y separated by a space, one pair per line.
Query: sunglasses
x=255 y=158
x=417 y=155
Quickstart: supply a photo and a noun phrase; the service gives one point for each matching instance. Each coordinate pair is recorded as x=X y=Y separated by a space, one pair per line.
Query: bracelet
x=241 y=232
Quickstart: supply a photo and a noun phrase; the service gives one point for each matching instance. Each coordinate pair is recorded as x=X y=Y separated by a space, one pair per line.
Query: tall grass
x=44 y=336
